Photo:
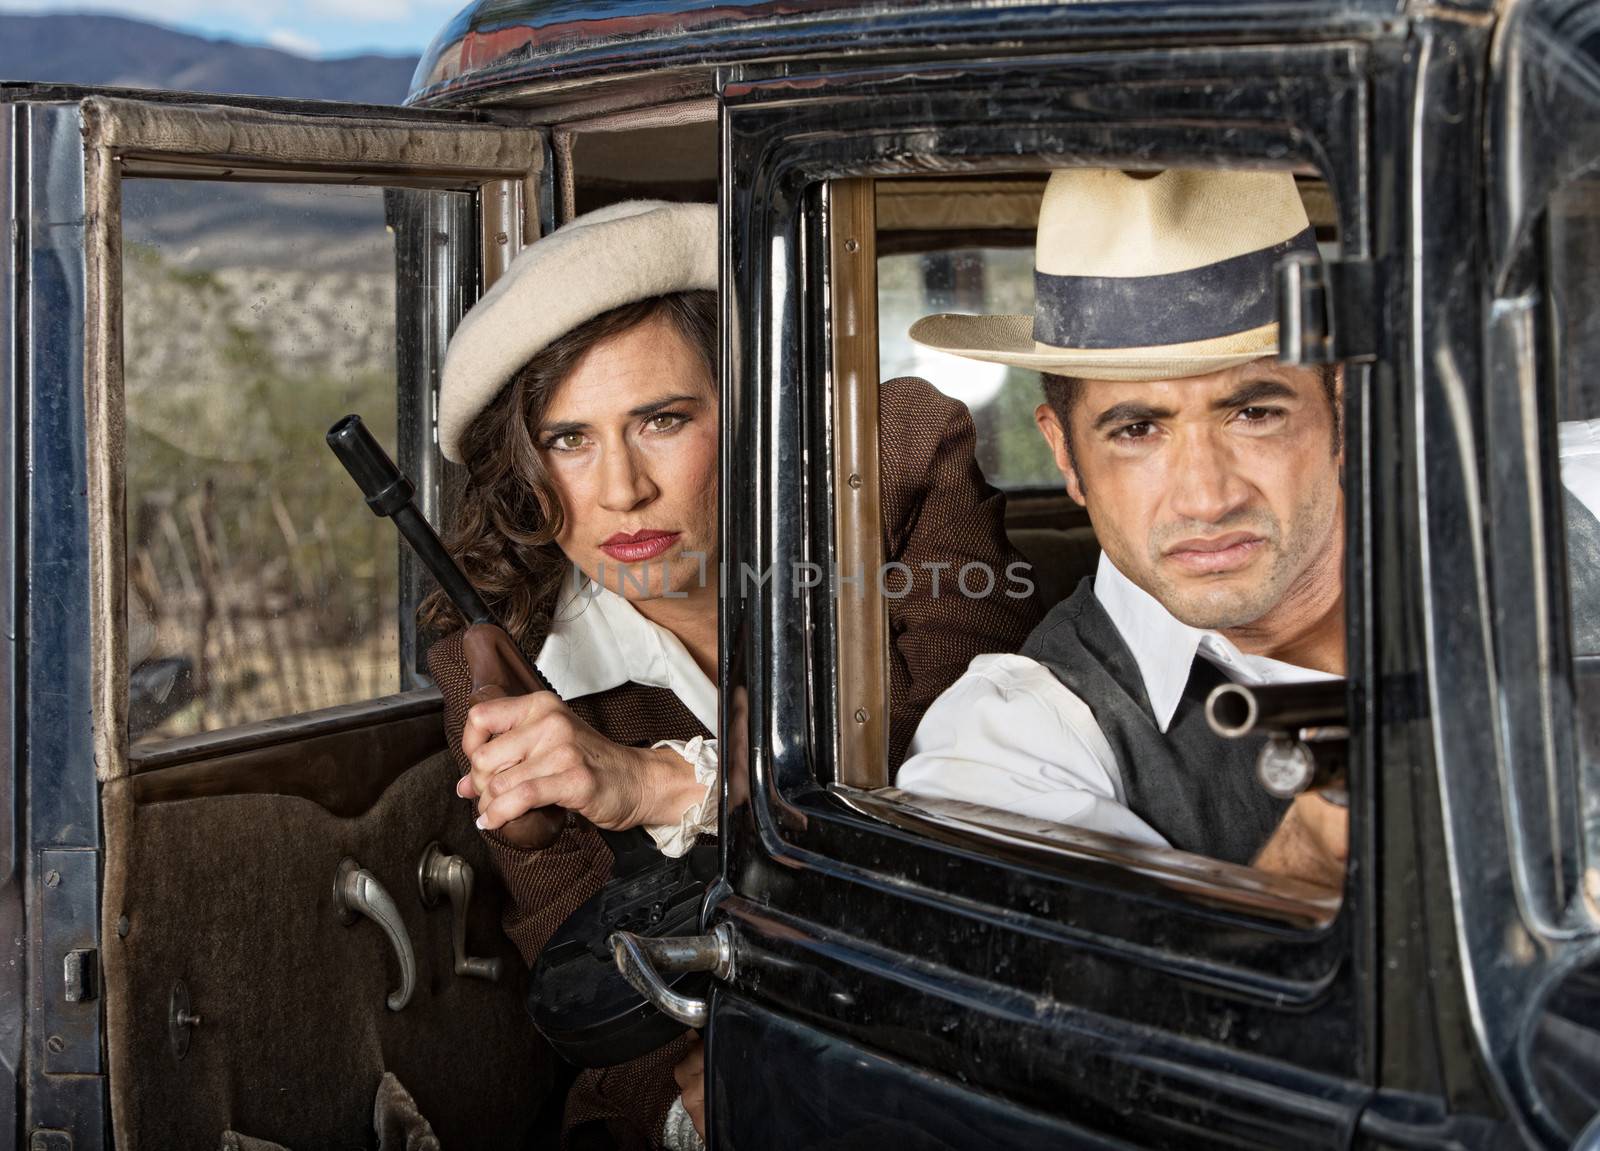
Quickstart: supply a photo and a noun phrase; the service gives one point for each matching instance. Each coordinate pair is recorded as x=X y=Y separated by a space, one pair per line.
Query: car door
x=253 y=904
x=923 y=974
x=1534 y=942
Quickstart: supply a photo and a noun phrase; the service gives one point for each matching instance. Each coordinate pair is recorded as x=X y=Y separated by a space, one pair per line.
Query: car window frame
x=861 y=692
x=1535 y=155
x=501 y=165
x=1541 y=134
x=780 y=654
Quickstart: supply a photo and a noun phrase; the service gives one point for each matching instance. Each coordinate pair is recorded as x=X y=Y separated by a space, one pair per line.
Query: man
x=1211 y=474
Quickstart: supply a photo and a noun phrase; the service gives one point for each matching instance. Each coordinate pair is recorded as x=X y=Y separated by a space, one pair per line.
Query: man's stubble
x=1220 y=603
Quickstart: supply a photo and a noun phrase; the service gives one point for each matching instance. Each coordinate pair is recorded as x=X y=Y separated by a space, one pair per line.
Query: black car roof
x=532 y=49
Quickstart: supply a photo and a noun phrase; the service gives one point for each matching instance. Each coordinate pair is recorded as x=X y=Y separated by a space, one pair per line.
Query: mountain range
x=115 y=51
x=301 y=230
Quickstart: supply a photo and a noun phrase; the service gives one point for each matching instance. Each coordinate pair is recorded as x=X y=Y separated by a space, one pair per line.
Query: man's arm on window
x=1008 y=734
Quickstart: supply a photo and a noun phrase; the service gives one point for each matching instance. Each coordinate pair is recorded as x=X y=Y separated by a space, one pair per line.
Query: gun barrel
x=390 y=494
x=1235 y=710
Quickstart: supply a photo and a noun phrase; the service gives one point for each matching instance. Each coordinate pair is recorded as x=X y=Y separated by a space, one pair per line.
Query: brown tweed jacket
x=937 y=508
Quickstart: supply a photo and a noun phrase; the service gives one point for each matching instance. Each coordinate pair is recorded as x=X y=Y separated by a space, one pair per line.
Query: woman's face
x=630 y=442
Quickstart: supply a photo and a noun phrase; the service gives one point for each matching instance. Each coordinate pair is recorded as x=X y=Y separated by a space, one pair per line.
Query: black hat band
x=1096 y=313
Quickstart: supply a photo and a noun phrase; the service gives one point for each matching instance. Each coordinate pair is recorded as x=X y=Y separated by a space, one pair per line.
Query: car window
x=1574 y=296
x=960 y=247
x=259 y=584
x=1565 y=1045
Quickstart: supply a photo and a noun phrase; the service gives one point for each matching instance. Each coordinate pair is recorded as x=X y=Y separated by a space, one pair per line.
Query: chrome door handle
x=643 y=960
x=357 y=891
x=439 y=874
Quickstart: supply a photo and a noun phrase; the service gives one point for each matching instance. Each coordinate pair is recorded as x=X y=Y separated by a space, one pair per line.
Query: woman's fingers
x=532 y=752
x=570 y=790
x=526 y=753
x=541 y=761
x=501 y=734
x=551 y=733
x=491 y=787
x=495 y=717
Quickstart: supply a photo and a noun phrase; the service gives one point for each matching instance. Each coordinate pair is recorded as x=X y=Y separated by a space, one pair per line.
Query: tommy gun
x=579 y=999
x=1308 y=734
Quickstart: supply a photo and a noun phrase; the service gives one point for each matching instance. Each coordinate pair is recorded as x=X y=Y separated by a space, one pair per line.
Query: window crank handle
x=441 y=874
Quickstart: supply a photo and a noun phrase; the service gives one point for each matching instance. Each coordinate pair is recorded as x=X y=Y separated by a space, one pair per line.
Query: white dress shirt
x=598 y=641
x=1009 y=734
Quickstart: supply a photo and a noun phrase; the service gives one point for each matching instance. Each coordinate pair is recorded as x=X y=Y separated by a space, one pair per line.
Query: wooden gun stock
x=498 y=669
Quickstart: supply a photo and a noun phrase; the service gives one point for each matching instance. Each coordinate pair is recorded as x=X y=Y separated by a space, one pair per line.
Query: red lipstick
x=637 y=547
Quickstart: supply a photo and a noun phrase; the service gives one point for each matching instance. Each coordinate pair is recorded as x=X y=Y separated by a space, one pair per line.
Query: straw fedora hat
x=1141 y=277
x=598 y=261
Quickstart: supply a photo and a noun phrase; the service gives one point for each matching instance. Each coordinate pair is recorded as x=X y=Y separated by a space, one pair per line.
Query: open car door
x=255 y=908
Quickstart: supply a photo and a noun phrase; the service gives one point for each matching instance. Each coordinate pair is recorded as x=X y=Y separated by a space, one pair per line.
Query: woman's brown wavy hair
x=509 y=515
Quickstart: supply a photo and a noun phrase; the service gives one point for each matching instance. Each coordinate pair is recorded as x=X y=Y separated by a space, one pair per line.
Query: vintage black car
x=229 y=902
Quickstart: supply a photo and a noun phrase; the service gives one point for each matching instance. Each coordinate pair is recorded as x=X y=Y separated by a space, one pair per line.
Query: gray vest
x=1198 y=790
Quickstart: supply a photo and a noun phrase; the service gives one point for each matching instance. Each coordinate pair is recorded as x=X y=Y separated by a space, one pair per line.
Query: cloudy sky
x=310 y=27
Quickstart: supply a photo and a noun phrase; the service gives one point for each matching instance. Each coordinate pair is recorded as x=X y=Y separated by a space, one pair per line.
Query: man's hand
x=531 y=752
x=1312 y=842
x=691 y=1077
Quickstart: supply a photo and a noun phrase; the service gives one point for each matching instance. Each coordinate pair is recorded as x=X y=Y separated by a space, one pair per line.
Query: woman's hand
x=691 y=1077
x=530 y=752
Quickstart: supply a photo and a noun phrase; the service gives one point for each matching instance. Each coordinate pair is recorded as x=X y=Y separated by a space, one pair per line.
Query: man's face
x=1219 y=495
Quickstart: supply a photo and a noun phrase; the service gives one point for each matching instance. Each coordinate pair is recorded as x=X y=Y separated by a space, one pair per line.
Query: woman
x=581 y=395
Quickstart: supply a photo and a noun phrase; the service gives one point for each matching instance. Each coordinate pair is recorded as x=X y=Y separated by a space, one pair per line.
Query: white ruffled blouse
x=598 y=641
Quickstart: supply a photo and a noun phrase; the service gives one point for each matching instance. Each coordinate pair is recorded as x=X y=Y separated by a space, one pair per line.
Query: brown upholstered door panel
x=233 y=894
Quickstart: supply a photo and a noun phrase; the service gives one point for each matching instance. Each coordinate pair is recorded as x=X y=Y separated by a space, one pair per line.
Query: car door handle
x=439 y=873
x=644 y=959
x=357 y=891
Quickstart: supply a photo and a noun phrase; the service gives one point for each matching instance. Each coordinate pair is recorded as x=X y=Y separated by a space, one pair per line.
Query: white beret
x=598 y=261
